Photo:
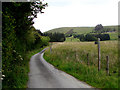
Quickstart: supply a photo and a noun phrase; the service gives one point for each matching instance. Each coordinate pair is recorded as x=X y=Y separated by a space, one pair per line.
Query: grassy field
x=116 y=27
x=72 y=39
x=113 y=36
x=71 y=57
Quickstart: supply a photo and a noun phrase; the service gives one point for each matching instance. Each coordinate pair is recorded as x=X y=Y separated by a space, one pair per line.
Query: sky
x=77 y=13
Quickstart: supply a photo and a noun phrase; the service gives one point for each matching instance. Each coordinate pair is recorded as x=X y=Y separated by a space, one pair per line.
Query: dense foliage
x=92 y=37
x=100 y=29
x=18 y=37
x=56 y=37
x=68 y=35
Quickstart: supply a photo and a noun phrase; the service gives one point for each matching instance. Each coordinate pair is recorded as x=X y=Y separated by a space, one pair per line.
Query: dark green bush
x=55 y=37
x=93 y=37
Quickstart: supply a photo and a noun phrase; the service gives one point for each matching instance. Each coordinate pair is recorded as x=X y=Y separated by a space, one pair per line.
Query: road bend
x=45 y=75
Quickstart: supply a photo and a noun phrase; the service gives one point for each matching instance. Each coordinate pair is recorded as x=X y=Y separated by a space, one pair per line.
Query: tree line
x=92 y=37
x=98 y=32
x=55 y=37
x=18 y=37
x=100 y=29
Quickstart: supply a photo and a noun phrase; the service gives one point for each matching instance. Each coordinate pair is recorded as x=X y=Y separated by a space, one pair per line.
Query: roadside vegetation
x=55 y=37
x=71 y=57
x=19 y=38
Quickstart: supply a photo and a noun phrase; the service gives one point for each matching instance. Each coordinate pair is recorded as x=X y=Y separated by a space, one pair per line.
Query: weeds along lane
x=44 y=75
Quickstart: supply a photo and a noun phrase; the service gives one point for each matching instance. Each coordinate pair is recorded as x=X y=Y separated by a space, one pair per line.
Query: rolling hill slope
x=78 y=30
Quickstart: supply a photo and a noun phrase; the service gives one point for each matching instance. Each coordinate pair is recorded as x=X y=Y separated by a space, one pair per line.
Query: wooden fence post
x=107 y=68
x=87 y=59
x=99 y=57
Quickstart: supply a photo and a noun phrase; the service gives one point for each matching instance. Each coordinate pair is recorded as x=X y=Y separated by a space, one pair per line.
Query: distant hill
x=78 y=30
x=69 y=32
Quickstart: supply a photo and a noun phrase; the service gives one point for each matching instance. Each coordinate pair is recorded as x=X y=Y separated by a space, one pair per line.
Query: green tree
x=98 y=28
x=17 y=38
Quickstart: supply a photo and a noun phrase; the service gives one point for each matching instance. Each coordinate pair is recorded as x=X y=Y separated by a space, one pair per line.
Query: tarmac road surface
x=44 y=75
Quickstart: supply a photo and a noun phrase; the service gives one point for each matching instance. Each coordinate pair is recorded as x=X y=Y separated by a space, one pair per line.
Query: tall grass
x=71 y=57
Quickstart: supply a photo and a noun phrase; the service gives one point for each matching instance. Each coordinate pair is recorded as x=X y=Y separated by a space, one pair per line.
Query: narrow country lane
x=44 y=75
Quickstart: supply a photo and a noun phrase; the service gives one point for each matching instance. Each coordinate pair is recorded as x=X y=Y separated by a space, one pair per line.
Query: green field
x=71 y=57
x=112 y=27
x=113 y=36
x=72 y=39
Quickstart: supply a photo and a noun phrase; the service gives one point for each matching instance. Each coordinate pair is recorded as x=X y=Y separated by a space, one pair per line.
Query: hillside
x=78 y=30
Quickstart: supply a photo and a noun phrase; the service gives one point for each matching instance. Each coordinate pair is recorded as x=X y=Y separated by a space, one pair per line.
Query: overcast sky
x=74 y=13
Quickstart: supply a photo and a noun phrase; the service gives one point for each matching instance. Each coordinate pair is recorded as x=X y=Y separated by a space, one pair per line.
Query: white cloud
x=77 y=13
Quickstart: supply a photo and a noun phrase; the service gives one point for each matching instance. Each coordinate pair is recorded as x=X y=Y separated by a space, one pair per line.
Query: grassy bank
x=19 y=77
x=71 y=57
